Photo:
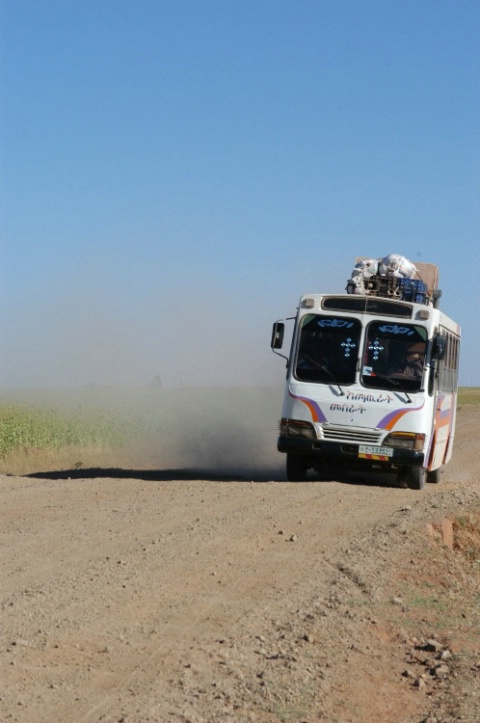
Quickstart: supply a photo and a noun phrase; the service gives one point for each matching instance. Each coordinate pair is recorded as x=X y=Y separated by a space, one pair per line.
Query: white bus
x=371 y=384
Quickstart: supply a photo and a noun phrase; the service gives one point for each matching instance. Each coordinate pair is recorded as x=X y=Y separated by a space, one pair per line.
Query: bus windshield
x=394 y=356
x=328 y=349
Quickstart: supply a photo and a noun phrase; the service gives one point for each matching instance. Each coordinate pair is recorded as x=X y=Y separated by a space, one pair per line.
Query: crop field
x=31 y=428
x=469 y=395
x=148 y=427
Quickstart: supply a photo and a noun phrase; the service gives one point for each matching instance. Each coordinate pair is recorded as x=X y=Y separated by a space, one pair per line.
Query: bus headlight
x=297 y=428
x=405 y=440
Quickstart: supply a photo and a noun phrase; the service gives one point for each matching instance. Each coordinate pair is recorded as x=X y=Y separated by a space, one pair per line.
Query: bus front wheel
x=296 y=467
x=415 y=478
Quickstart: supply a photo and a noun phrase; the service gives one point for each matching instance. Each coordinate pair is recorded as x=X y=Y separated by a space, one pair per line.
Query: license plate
x=368 y=451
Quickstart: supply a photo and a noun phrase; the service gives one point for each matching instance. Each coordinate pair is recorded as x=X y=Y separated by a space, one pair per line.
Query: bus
x=371 y=382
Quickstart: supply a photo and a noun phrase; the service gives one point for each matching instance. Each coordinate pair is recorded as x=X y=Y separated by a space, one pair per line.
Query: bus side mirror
x=438 y=348
x=277 y=335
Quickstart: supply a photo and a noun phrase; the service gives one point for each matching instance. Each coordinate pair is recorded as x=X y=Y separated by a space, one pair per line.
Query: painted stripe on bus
x=315 y=411
x=392 y=418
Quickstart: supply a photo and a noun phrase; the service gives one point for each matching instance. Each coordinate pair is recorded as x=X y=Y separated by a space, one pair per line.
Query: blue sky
x=175 y=173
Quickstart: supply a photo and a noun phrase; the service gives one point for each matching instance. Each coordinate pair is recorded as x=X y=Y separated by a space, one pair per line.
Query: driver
x=412 y=367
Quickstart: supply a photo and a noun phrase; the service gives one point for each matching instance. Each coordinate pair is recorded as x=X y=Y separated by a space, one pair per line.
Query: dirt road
x=156 y=596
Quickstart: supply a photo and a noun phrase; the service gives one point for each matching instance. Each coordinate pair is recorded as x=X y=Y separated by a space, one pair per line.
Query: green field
x=32 y=428
x=469 y=395
x=148 y=427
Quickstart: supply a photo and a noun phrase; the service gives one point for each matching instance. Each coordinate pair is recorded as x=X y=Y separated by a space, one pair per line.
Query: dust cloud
x=202 y=432
x=188 y=375
x=227 y=431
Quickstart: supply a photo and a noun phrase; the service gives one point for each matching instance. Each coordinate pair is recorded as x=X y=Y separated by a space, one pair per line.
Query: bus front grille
x=351 y=434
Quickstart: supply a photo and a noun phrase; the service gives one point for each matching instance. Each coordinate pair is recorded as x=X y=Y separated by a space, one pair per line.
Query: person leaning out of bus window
x=412 y=365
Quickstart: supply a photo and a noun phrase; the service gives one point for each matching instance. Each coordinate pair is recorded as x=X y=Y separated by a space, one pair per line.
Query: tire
x=296 y=468
x=434 y=476
x=327 y=473
x=416 y=477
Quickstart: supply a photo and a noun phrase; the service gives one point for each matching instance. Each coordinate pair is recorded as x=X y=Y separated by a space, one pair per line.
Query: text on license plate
x=368 y=451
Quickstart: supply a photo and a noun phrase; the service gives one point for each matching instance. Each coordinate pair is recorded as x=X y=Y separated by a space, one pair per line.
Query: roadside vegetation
x=469 y=395
x=32 y=428
x=97 y=426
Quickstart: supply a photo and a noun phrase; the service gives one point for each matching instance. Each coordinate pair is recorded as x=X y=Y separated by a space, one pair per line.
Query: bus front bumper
x=345 y=453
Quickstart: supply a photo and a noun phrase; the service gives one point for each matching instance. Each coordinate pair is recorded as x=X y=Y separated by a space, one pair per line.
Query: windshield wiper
x=327 y=371
x=332 y=376
x=394 y=383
